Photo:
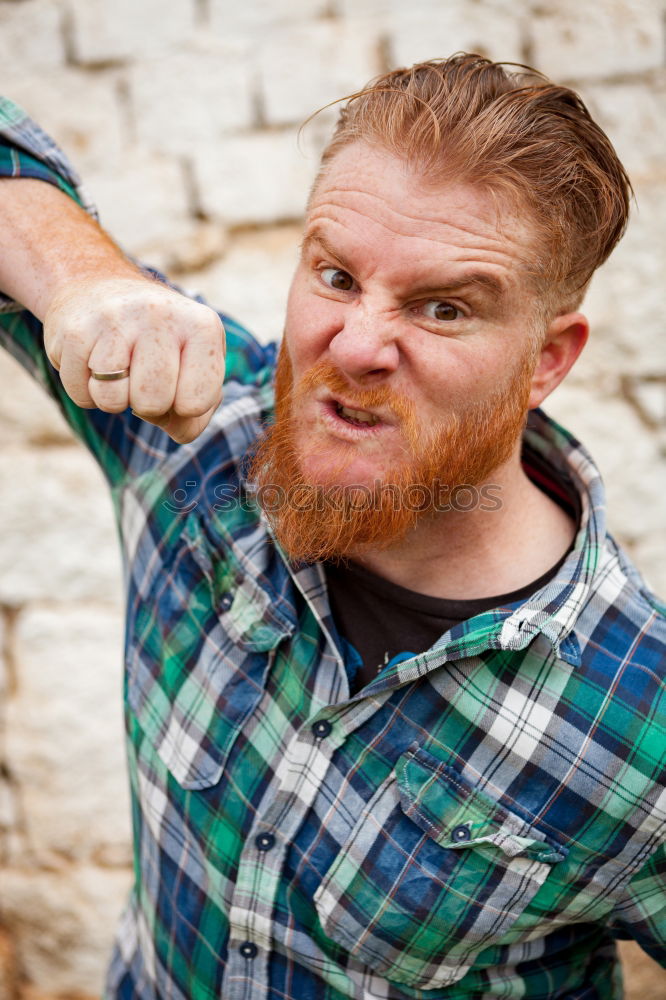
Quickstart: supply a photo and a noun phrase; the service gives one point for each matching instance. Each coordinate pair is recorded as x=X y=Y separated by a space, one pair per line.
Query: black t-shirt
x=380 y=623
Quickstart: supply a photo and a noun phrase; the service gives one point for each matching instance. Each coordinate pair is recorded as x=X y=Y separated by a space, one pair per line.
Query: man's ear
x=565 y=339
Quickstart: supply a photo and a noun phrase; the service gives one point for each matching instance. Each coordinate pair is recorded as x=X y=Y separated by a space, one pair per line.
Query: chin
x=338 y=468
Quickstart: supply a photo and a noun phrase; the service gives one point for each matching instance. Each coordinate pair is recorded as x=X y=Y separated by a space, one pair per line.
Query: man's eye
x=335 y=278
x=436 y=309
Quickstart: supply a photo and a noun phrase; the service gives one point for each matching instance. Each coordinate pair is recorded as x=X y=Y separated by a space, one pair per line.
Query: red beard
x=327 y=520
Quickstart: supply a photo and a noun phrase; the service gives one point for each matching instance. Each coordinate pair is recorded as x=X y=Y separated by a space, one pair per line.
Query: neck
x=501 y=545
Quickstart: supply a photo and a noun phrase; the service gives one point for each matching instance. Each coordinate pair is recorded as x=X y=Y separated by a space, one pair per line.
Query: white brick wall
x=61 y=919
x=257 y=20
x=32 y=38
x=103 y=32
x=633 y=113
x=145 y=202
x=579 y=41
x=57 y=497
x=291 y=59
x=193 y=95
x=27 y=415
x=259 y=177
x=182 y=118
x=82 y=109
x=73 y=791
x=494 y=28
x=626 y=300
x=252 y=280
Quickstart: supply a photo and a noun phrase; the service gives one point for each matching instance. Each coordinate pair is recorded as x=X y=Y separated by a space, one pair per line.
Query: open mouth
x=358 y=418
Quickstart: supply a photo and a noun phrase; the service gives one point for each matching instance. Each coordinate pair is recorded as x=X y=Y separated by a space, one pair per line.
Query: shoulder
x=622 y=635
x=622 y=617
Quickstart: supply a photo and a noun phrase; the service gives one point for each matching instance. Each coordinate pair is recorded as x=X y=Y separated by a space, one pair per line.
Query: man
x=394 y=697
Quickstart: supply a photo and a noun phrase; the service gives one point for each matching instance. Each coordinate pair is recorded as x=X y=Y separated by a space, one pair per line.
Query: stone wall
x=183 y=117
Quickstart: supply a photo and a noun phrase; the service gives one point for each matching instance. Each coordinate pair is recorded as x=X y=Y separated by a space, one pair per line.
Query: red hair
x=515 y=133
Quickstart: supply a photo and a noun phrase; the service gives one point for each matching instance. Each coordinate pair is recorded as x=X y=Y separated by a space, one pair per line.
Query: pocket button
x=460 y=834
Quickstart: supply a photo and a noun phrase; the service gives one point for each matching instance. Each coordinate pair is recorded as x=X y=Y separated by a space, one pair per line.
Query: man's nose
x=366 y=343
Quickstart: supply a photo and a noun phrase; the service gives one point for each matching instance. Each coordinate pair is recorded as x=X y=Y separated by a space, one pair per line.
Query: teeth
x=358 y=416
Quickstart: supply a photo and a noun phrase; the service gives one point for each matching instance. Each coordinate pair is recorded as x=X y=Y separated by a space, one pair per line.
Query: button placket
x=264 y=842
x=299 y=777
x=321 y=729
x=248 y=949
x=297 y=783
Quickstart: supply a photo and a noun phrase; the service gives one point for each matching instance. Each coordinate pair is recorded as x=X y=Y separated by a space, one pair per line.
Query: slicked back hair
x=512 y=131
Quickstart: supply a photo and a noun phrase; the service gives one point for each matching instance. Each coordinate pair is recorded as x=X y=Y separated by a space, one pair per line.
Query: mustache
x=324 y=373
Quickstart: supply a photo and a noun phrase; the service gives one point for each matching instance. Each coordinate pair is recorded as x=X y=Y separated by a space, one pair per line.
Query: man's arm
x=641 y=914
x=101 y=312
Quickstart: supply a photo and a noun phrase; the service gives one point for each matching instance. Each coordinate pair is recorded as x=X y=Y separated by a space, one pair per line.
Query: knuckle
x=149 y=410
x=190 y=411
x=85 y=402
x=112 y=407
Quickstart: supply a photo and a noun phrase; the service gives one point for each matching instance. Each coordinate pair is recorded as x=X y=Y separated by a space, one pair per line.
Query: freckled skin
x=173 y=347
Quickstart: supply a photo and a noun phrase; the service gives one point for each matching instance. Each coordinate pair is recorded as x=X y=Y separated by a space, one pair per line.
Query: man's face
x=409 y=337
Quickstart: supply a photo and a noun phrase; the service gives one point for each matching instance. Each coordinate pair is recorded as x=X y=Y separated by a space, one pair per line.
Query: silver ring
x=110 y=376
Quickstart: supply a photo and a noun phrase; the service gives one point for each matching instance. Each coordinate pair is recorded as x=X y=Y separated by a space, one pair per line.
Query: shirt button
x=226 y=602
x=264 y=841
x=322 y=729
x=248 y=949
x=460 y=834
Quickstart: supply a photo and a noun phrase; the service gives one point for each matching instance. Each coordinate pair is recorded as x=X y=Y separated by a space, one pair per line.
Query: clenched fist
x=173 y=347
x=101 y=313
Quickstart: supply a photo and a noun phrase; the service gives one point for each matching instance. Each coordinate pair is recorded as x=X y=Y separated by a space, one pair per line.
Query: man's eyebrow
x=486 y=281
x=315 y=238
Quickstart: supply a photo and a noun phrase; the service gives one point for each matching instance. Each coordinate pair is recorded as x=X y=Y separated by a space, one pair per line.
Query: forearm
x=48 y=244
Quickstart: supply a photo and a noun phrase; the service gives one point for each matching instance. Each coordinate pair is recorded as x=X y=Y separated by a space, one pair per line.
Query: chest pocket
x=200 y=642
x=432 y=872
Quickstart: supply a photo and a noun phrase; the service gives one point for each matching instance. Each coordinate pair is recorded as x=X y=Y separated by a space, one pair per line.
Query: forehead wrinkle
x=496 y=285
x=423 y=194
x=496 y=243
x=402 y=214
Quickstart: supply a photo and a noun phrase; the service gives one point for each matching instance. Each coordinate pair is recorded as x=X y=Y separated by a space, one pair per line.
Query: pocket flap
x=457 y=815
x=249 y=613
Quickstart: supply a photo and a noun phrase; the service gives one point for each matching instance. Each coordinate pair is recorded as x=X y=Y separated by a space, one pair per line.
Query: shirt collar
x=554 y=609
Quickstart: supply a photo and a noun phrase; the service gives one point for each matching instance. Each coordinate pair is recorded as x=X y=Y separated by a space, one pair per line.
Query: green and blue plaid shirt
x=478 y=822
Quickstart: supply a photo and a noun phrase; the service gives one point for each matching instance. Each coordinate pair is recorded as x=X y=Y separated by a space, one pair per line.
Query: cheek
x=450 y=379
x=311 y=323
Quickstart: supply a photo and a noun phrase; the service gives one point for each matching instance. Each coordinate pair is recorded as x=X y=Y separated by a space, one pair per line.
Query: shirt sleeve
x=121 y=443
x=641 y=913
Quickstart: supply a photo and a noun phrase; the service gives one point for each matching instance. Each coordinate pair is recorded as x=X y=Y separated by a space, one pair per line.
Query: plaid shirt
x=478 y=822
